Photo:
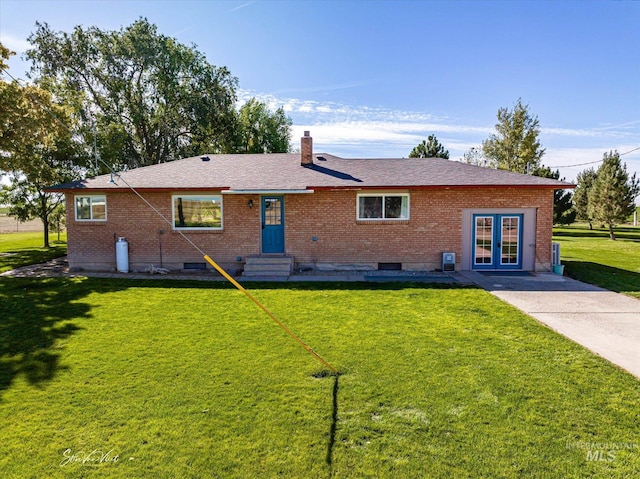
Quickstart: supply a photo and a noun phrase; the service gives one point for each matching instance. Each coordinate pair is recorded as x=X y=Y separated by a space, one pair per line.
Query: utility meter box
x=555 y=254
x=448 y=262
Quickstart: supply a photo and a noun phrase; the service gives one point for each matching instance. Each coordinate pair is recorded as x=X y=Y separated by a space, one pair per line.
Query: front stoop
x=257 y=266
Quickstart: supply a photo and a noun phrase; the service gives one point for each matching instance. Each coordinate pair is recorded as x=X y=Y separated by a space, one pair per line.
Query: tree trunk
x=45 y=223
x=611 y=233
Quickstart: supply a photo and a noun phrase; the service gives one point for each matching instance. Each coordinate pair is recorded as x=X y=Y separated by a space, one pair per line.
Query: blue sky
x=374 y=78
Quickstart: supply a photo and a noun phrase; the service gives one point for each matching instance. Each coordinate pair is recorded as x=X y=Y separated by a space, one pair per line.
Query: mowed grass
x=192 y=380
x=590 y=256
x=22 y=249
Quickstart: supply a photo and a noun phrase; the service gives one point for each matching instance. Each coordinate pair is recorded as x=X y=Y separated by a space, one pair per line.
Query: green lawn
x=21 y=249
x=590 y=256
x=186 y=380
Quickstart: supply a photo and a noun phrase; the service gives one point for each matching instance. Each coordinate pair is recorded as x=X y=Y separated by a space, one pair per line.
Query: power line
x=630 y=151
x=594 y=162
x=579 y=164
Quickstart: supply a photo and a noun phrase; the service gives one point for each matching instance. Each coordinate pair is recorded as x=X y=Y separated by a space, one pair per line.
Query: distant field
x=9 y=224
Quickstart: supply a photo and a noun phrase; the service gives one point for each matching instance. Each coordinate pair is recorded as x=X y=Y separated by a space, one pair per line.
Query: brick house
x=312 y=211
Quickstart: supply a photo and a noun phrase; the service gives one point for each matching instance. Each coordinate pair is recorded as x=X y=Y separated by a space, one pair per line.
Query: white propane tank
x=122 y=255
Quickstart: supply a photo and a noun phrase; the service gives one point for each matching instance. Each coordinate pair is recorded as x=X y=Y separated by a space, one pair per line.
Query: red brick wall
x=91 y=245
x=435 y=225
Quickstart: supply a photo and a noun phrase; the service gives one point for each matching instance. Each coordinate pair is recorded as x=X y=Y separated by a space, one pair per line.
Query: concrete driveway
x=604 y=322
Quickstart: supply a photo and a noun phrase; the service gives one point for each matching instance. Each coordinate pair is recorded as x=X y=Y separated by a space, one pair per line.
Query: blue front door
x=273 y=224
x=497 y=241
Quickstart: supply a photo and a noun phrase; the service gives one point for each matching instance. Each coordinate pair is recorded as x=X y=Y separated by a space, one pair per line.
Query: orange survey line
x=220 y=270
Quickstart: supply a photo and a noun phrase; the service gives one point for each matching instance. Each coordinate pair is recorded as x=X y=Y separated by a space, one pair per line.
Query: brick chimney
x=306 y=150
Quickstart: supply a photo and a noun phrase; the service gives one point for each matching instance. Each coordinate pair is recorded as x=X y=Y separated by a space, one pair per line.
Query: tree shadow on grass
x=38 y=314
x=24 y=257
x=613 y=279
x=35 y=315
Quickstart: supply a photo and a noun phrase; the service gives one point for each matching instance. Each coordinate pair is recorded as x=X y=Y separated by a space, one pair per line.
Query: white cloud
x=570 y=132
x=414 y=121
x=15 y=44
x=363 y=131
x=374 y=139
x=619 y=131
x=621 y=125
x=240 y=6
x=571 y=161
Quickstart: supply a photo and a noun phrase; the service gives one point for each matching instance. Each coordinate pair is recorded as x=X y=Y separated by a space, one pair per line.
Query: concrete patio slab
x=604 y=322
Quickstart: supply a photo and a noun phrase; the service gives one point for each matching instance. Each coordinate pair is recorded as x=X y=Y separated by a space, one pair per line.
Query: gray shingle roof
x=271 y=172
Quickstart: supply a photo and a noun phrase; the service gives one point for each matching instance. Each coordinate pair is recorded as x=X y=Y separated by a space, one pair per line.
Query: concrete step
x=269 y=259
x=282 y=268
x=268 y=266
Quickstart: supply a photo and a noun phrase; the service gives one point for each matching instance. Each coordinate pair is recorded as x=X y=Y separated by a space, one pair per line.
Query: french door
x=497 y=241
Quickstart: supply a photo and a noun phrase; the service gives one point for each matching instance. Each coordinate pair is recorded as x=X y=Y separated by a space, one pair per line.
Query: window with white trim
x=201 y=212
x=91 y=208
x=393 y=206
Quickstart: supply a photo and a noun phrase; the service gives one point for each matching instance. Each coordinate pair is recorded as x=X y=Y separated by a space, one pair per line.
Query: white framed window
x=392 y=206
x=197 y=212
x=91 y=208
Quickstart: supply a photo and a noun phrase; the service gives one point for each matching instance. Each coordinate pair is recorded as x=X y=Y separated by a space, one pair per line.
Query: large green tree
x=613 y=192
x=515 y=146
x=563 y=211
x=24 y=117
x=37 y=149
x=151 y=98
x=262 y=131
x=429 y=148
x=584 y=180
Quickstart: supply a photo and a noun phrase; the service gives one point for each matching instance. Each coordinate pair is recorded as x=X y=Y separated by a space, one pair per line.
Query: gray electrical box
x=555 y=253
x=448 y=261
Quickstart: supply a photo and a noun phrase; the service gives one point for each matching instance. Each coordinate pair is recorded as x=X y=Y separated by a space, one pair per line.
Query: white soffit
x=266 y=192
